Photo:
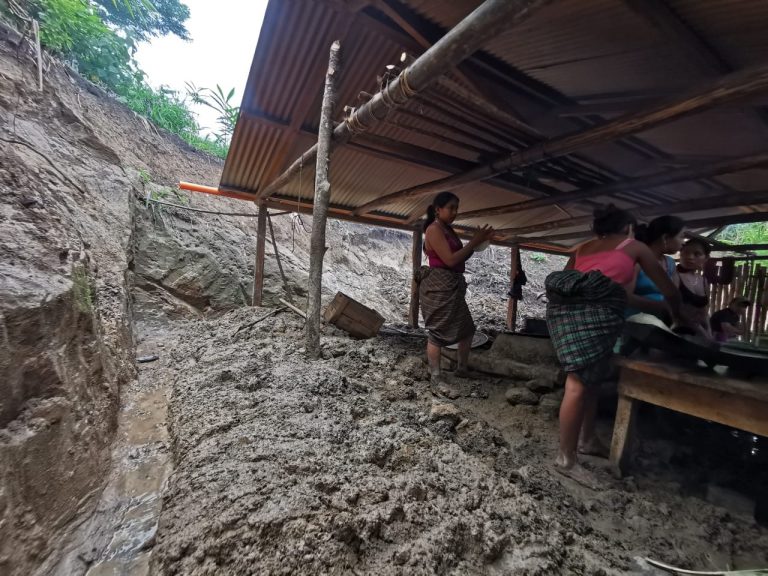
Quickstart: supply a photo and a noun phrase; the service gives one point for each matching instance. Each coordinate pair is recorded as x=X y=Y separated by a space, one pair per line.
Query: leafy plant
x=73 y=30
x=98 y=37
x=221 y=103
x=142 y=19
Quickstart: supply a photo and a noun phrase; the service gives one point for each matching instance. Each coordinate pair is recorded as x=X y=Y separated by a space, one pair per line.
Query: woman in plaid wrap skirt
x=442 y=287
x=585 y=316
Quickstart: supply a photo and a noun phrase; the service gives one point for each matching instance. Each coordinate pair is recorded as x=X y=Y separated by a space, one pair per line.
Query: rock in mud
x=445 y=411
x=519 y=395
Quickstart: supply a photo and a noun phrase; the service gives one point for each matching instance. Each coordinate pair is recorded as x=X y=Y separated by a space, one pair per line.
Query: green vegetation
x=98 y=37
x=753 y=233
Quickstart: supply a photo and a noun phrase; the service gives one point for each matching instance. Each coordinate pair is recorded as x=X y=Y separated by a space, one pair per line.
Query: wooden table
x=709 y=394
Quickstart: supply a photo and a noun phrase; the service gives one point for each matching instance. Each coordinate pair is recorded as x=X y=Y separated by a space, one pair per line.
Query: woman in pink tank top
x=442 y=287
x=585 y=317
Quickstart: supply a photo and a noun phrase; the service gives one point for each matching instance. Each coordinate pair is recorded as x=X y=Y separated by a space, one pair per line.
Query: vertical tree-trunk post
x=258 y=269
x=512 y=302
x=413 y=312
x=320 y=206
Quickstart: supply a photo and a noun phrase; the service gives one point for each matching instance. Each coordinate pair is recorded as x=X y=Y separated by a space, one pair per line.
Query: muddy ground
x=350 y=465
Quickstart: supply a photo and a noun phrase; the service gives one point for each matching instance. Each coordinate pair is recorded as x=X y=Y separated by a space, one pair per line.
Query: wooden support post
x=258 y=271
x=320 y=204
x=623 y=433
x=512 y=302
x=416 y=251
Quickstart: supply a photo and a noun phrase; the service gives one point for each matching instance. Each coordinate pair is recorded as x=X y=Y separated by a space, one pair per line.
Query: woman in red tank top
x=442 y=287
x=585 y=317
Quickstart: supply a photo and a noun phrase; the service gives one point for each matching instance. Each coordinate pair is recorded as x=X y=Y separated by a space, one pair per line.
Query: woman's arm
x=654 y=270
x=439 y=243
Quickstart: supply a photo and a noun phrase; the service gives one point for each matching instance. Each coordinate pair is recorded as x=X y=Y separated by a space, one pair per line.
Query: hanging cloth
x=516 y=292
x=722 y=275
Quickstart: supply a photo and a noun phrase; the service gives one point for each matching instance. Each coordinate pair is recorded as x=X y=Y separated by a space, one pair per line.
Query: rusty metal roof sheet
x=570 y=53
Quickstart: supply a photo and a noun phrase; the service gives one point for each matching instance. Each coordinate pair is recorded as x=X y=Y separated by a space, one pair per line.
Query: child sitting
x=726 y=323
x=694 y=289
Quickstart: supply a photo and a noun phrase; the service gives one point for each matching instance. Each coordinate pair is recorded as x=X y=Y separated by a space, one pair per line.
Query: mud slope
x=349 y=465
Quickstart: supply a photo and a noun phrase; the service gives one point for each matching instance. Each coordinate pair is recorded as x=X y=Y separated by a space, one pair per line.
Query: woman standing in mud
x=585 y=316
x=442 y=287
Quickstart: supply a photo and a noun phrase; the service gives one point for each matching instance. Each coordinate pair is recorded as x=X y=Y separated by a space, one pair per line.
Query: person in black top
x=726 y=323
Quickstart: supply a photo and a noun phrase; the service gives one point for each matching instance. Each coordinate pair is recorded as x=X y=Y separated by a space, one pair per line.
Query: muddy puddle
x=118 y=539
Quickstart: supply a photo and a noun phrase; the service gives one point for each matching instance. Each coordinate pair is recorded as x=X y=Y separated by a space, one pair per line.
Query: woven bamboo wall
x=749 y=280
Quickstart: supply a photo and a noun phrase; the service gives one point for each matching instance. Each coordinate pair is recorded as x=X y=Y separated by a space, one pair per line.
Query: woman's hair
x=703 y=244
x=440 y=200
x=611 y=220
x=658 y=227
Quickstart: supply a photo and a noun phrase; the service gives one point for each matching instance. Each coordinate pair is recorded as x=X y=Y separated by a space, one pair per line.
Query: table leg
x=623 y=431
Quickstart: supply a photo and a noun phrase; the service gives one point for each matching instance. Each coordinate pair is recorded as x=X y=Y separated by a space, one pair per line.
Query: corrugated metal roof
x=567 y=51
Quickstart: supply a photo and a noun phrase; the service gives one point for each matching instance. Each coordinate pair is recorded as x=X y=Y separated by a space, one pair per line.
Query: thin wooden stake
x=512 y=302
x=288 y=291
x=320 y=204
x=258 y=272
x=38 y=50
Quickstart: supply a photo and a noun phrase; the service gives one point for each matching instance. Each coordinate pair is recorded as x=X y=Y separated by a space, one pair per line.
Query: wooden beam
x=745 y=247
x=514 y=262
x=485 y=22
x=685 y=39
x=420 y=156
x=258 y=269
x=729 y=88
x=696 y=205
x=416 y=256
x=320 y=204
x=394 y=12
x=630 y=184
x=712 y=222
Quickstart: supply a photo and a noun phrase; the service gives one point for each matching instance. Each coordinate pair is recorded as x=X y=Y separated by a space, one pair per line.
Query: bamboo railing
x=749 y=280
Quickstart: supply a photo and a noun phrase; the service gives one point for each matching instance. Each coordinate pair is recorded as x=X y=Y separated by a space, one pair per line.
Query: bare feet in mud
x=594 y=447
x=442 y=387
x=577 y=473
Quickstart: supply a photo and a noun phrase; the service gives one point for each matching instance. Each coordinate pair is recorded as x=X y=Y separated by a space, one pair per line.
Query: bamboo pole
x=321 y=201
x=416 y=252
x=258 y=269
x=726 y=89
x=486 y=21
x=630 y=184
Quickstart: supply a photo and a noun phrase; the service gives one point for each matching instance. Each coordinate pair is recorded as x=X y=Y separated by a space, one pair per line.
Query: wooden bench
x=708 y=394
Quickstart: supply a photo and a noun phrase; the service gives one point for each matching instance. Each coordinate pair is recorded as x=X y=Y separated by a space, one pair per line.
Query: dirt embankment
x=70 y=162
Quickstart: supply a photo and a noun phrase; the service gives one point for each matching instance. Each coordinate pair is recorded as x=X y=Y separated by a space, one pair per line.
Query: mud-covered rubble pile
x=350 y=465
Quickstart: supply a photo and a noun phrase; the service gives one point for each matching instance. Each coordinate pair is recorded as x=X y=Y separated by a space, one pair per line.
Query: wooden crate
x=351 y=316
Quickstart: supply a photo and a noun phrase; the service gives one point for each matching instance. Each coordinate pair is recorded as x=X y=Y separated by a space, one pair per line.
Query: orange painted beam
x=189 y=186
